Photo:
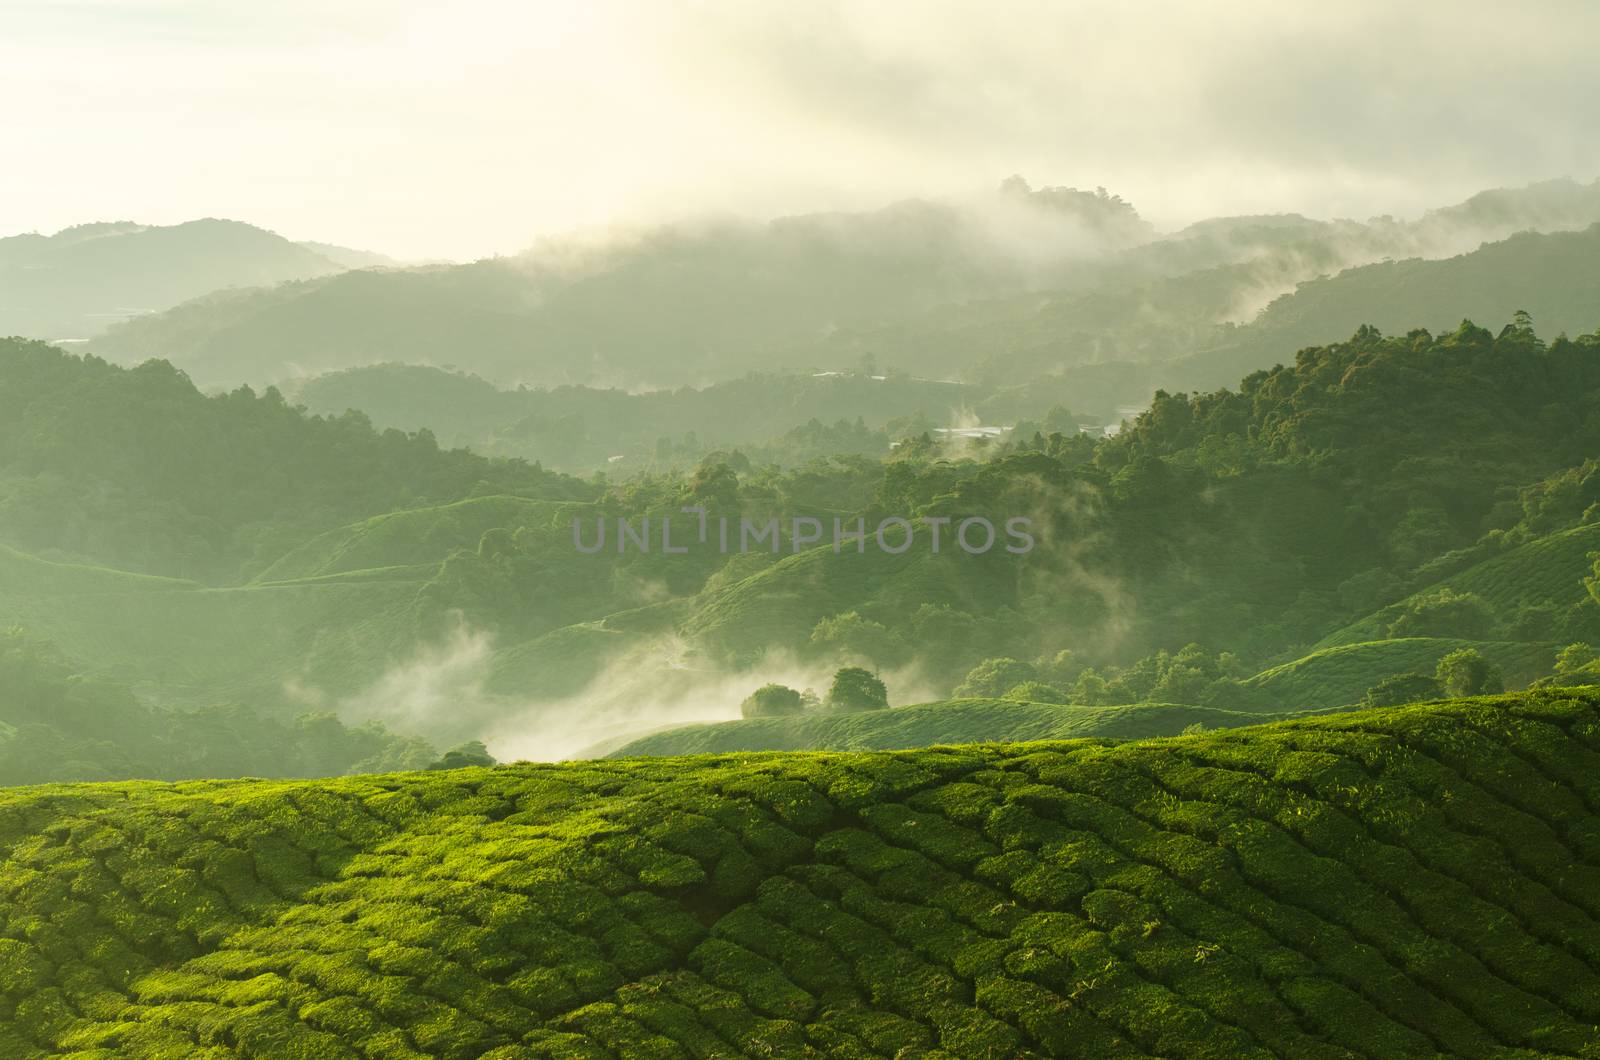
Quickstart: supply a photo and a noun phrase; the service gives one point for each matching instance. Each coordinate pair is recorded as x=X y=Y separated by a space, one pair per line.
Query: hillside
x=1554 y=276
x=414 y=537
x=930 y=724
x=1341 y=675
x=136 y=468
x=1409 y=882
x=317 y=561
x=1544 y=573
x=75 y=283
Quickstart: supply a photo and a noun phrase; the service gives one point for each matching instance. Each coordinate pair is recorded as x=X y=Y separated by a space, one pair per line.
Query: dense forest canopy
x=135 y=468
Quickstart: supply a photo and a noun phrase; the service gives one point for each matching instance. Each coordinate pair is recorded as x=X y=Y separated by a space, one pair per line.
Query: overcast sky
x=468 y=128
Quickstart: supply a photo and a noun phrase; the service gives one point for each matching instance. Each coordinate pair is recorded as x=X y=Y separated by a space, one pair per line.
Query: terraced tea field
x=927 y=724
x=1409 y=882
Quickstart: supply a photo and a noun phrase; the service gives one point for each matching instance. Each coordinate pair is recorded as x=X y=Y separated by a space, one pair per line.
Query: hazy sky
x=468 y=128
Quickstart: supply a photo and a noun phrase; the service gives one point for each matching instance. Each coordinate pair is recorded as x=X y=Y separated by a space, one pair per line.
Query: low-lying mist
x=442 y=692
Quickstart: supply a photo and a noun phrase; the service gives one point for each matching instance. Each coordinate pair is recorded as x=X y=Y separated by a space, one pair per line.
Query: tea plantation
x=926 y=724
x=1408 y=882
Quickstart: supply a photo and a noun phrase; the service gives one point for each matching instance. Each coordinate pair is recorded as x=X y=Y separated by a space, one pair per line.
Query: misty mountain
x=1001 y=289
x=679 y=304
x=349 y=257
x=1554 y=277
x=1208 y=287
x=75 y=283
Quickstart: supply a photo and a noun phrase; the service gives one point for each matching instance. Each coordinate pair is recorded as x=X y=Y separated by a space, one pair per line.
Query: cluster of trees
x=1463 y=672
x=1191 y=676
x=853 y=689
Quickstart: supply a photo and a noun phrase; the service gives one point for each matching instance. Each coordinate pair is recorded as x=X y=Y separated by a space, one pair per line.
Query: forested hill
x=1468 y=395
x=1256 y=521
x=135 y=468
x=1555 y=276
x=1418 y=881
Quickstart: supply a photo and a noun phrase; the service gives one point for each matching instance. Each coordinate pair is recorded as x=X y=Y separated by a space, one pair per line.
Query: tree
x=1065 y=667
x=1465 y=672
x=856 y=689
x=1445 y=613
x=1573 y=658
x=1036 y=692
x=1090 y=688
x=850 y=638
x=1402 y=688
x=471 y=753
x=1182 y=684
x=946 y=639
x=992 y=677
x=772 y=701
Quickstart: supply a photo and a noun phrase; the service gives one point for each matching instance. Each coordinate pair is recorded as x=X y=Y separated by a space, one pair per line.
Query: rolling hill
x=413 y=537
x=1547 y=571
x=1410 y=882
x=1341 y=675
x=931 y=724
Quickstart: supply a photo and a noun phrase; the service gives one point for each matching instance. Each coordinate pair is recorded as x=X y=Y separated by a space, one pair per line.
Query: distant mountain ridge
x=1006 y=288
x=73 y=284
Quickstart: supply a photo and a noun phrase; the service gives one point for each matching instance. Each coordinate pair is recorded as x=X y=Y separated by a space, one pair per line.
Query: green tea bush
x=1413 y=881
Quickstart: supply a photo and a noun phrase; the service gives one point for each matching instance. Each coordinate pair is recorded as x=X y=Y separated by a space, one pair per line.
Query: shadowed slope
x=1414 y=881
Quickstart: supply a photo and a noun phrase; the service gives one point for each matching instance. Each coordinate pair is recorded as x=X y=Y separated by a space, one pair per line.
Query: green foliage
x=1342 y=675
x=850 y=638
x=854 y=689
x=136 y=468
x=754 y=420
x=1465 y=672
x=772 y=701
x=1402 y=688
x=993 y=677
x=1409 y=882
x=1445 y=613
x=471 y=753
x=1036 y=692
x=1575 y=658
x=1192 y=676
x=930 y=724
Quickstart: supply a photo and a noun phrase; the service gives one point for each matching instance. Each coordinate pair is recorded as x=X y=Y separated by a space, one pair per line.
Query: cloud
x=431 y=129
